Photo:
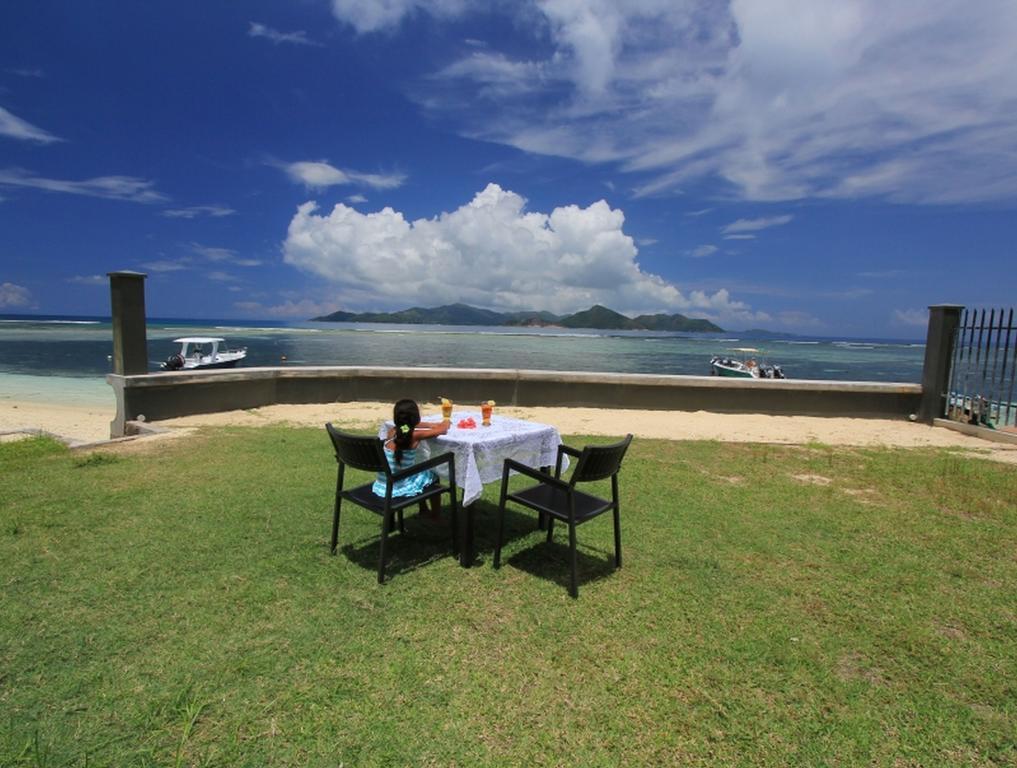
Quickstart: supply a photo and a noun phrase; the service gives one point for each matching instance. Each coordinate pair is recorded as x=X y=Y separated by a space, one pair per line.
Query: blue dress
x=409 y=486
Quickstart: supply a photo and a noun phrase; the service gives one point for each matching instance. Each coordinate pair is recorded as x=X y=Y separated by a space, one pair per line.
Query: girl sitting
x=401 y=452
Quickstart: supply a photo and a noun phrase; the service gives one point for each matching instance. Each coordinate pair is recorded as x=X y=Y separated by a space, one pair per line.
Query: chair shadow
x=551 y=563
x=543 y=560
x=426 y=541
x=423 y=543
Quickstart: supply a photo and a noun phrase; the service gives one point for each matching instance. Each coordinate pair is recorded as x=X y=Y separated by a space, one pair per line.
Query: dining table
x=479 y=453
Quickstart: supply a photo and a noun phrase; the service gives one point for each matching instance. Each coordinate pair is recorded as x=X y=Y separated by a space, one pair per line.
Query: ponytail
x=406 y=416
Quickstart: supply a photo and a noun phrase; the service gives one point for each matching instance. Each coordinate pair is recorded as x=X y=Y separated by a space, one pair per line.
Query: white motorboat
x=199 y=352
x=744 y=364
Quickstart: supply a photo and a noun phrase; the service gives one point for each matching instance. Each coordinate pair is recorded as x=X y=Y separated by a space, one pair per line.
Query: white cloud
x=776 y=100
x=295 y=38
x=14 y=127
x=110 y=187
x=911 y=317
x=194 y=211
x=318 y=174
x=88 y=280
x=754 y=225
x=221 y=277
x=213 y=253
x=26 y=71
x=739 y=237
x=304 y=308
x=12 y=295
x=702 y=251
x=357 y=198
x=647 y=241
x=166 y=265
x=227 y=255
x=490 y=252
x=882 y=274
x=372 y=16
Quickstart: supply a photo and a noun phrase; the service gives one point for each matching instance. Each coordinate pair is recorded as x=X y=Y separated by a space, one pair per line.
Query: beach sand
x=87 y=423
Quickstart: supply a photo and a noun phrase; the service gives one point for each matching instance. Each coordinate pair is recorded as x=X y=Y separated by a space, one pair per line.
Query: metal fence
x=984 y=369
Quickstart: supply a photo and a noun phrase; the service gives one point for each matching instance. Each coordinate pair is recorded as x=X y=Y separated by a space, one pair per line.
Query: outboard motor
x=173 y=362
x=778 y=372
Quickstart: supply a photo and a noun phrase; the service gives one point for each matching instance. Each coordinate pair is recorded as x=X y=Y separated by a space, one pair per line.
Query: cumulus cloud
x=194 y=211
x=490 y=252
x=14 y=127
x=774 y=100
x=275 y=36
x=318 y=174
x=128 y=188
x=12 y=295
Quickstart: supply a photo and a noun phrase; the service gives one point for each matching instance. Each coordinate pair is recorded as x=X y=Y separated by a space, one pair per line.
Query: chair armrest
x=563 y=449
x=536 y=474
x=434 y=461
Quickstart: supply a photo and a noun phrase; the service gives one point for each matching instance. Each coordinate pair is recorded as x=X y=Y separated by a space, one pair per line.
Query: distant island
x=597 y=316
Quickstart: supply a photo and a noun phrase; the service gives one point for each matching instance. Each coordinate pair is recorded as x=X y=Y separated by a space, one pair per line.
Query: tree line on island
x=597 y=316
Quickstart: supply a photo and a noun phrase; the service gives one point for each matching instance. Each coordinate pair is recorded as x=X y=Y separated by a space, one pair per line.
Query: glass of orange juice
x=446 y=409
x=486 y=408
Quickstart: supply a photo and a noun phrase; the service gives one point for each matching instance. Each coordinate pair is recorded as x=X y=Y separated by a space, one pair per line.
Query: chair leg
x=501 y=528
x=550 y=528
x=574 y=583
x=335 y=523
x=455 y=521
x=386 y=525
x=402 y=525
x=617 y=537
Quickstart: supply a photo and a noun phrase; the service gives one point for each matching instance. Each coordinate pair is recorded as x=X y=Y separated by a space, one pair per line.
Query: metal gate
x=984 y=369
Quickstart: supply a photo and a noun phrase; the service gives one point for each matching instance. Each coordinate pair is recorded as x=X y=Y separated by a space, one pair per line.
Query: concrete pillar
x=130 y=335
x=944 y=320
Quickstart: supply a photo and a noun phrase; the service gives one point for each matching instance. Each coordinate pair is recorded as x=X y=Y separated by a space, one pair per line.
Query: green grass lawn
x=777 y=606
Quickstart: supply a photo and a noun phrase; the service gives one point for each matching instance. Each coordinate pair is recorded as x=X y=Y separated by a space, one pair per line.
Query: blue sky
x=822 y=167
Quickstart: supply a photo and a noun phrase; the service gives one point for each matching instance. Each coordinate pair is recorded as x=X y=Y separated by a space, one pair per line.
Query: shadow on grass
x=540 y=559
x=427 y=541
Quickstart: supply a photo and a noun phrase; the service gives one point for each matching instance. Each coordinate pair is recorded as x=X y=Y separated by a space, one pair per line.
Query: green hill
x=598 y=316
x=662 y=322
x=463 y=314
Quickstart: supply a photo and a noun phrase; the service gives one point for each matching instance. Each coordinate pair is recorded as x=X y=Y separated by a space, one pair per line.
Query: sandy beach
x=89 y=423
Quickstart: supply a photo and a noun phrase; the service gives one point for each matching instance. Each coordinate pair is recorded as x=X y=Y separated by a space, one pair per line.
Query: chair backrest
x=598 y=462
x=358 y=451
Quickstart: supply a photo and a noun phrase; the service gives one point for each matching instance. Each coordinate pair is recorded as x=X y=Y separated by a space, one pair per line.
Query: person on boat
x=401 y=452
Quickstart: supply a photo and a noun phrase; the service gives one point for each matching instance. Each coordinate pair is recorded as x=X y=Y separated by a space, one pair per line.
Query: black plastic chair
x=558 y=499
x=367 y=453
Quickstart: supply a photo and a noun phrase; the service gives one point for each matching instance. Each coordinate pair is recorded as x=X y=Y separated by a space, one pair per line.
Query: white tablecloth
x=481 y=452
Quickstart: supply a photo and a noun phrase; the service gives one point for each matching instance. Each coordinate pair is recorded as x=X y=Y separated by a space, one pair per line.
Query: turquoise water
x=80 y=348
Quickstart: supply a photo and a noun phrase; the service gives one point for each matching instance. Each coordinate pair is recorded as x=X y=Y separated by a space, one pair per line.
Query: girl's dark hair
x=404 y=414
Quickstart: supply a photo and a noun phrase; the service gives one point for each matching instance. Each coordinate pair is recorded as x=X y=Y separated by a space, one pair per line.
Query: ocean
x=76 y=350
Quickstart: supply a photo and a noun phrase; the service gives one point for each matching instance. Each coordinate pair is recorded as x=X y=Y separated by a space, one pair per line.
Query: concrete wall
x=157 y=396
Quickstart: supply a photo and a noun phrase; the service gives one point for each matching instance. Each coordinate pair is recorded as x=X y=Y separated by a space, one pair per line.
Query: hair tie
x=404 y=428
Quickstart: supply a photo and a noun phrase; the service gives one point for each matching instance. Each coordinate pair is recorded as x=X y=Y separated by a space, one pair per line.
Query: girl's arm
x=426 y=429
